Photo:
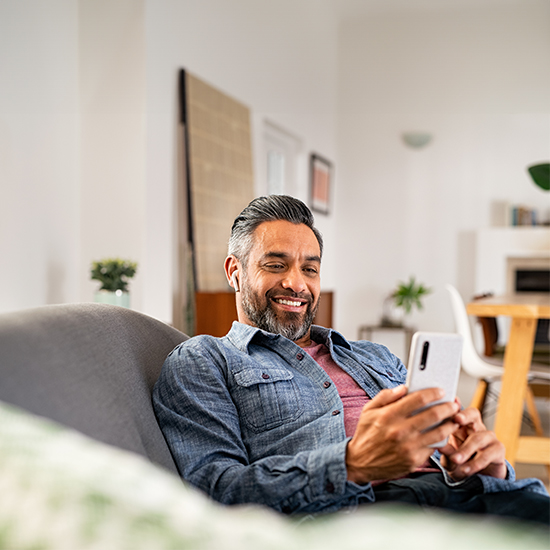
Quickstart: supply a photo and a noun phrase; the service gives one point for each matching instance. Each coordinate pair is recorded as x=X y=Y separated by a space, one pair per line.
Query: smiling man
x=293 y=416
x=279 y=280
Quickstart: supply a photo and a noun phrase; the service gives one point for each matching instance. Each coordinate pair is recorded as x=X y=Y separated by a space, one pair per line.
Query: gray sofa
x=91 y=367
x=72 y=483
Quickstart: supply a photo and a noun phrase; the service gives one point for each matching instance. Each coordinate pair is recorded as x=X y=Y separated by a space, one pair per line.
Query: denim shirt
x=252 y=418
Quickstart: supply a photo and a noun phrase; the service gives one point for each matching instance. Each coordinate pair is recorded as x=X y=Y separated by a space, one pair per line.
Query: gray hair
x=266 y=209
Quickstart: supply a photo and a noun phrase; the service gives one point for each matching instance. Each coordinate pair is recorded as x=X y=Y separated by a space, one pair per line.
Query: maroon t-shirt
x=352 y=395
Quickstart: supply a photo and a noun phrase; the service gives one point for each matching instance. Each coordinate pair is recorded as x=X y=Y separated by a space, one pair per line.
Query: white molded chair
x=487 y=372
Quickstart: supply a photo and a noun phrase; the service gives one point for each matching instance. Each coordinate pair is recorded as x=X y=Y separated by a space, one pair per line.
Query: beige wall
x=39 y=144
x=89 y=149
x=89 y=135
x=72 y=136
x=111 y=64
x=475 y=78
x=278 y=58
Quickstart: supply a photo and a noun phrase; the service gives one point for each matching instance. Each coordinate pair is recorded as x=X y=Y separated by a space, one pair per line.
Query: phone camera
x=424 y=359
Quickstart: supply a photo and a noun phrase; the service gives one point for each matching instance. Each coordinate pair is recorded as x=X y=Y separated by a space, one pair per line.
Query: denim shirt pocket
x=266 y=397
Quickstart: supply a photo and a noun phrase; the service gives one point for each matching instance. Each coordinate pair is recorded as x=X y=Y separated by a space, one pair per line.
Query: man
x=293 y=416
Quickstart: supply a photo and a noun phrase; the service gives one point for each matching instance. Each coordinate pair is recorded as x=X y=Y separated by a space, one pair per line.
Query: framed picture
x=320 y=174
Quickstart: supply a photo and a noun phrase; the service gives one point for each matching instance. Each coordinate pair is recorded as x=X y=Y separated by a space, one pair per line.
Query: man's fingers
x=386 y=397
x=489 y=455
x=476 y=442
x=441 y=432
x=420 y=399
x=478 y=452
x=433 y=415
x=408 y=404
x=470 y=416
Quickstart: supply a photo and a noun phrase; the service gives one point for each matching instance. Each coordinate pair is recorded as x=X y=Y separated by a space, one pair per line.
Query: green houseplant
x=114 y=275
x=402 y=301
x=541 y=175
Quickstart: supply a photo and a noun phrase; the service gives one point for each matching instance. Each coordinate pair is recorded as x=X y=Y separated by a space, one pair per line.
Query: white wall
x=476 y=79
x=39 y=197
x=278 y=58
x=111 y=50
x=72 y=145
x=88 y=134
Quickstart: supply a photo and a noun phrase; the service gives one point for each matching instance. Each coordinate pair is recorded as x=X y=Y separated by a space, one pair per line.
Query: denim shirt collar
x=241 y=336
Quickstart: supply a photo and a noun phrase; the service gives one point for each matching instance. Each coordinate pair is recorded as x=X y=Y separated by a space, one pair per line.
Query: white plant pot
x=392 y=315
x=116 y=298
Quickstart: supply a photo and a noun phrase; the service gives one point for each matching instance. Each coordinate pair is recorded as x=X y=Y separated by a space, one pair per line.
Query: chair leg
x=478 y=400
x=480 y=395
x=533 y=413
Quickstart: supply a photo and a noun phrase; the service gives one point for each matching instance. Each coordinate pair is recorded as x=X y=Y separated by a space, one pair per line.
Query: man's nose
x=294 y=280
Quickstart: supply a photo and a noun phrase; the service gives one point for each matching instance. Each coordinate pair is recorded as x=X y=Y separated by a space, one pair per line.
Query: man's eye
x=311 y=270
x=275 y=266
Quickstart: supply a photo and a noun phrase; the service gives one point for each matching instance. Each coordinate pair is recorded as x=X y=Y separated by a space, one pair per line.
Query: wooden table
x=524 y=310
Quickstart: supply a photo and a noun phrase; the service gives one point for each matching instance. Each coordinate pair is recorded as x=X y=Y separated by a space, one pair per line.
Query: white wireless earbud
x=234 y=281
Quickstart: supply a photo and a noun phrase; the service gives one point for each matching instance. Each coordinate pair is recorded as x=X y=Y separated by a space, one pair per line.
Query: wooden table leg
x=517 y=360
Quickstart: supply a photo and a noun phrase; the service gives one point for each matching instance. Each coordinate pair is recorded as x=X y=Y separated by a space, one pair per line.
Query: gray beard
x=294 y=326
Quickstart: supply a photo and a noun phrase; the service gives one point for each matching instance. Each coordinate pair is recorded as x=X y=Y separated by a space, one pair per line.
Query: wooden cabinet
x=216 y=311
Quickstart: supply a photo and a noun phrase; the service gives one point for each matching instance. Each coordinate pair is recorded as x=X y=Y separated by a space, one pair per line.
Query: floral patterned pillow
x=60 y=490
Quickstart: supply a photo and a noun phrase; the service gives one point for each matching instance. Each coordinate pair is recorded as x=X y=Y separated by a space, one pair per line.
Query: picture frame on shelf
x=320 y=183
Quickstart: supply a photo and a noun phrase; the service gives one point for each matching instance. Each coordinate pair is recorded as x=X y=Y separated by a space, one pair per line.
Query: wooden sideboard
x=216 y=311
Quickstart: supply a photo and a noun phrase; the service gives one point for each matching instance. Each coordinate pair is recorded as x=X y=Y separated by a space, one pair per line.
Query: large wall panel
x=219 y=174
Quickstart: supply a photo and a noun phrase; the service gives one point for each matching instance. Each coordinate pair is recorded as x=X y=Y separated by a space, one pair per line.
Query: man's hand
x=390 y=441
x=473 y=449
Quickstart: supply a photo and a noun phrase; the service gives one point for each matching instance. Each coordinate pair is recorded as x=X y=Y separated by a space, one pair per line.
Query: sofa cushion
x=91 y=367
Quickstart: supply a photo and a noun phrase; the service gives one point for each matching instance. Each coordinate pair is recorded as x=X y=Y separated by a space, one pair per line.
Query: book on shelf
x=522 y=215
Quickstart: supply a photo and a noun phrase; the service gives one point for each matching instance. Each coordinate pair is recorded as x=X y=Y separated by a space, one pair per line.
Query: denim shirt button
x=330 y=487
x=265 y=376
x=326 y=384
x=390 y=374
x=335 y=413
x=300 y=356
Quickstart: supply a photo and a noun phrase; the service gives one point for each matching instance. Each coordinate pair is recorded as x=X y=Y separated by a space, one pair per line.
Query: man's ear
x=232 y=271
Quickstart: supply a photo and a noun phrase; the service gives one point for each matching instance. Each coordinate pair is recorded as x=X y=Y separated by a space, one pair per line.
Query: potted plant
x=541 y=175
x=402 y=301
x=114 y=275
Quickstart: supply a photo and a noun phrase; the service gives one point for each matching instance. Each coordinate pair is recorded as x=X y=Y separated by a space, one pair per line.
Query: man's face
x=280 y=285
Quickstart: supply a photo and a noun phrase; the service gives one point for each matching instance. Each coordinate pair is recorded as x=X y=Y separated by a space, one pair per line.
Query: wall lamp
x=416 y=140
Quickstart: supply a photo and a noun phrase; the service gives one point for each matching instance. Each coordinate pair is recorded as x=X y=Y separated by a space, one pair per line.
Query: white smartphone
x=434 y=362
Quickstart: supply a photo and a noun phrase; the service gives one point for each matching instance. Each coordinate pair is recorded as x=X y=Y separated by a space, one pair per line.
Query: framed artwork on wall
x=320 y=176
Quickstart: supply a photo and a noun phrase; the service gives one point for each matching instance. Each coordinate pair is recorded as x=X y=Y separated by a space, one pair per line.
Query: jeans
x=429 y=490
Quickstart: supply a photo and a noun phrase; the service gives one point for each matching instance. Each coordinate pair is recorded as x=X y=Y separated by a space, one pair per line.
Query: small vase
x=392 y=315
x=115 y=298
